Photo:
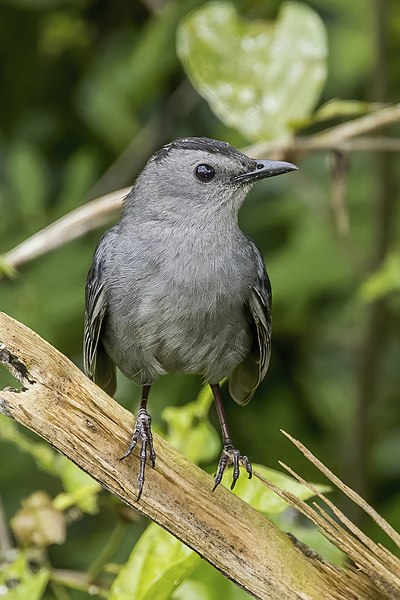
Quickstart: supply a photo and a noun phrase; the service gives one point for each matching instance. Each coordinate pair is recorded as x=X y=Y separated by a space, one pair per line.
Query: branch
x=75 y=224
x=100 y=211
x=62 y=406
x=340 y=137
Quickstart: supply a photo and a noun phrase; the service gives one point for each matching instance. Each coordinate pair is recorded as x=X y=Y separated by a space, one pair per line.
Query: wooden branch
x=61 y=405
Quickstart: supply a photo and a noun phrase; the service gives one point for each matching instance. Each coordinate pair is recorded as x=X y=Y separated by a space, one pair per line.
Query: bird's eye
x=204 y=172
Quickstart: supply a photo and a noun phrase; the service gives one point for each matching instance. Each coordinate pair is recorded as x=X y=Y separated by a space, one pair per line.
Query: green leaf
x=192 y=590
x=206 y=583
x=384 y=281
x=258 y=77
x=27 y=585
x=260 y=497
x=189 y=430
x=337 y=108
x=156 y=567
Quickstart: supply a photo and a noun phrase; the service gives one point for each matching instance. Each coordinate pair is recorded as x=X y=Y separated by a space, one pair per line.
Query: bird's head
x=197 y=176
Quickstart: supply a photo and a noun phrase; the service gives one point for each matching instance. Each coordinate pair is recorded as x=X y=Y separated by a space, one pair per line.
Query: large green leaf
x=206 y=583
x=260 y=497
x=258 y=77
x=156 y=567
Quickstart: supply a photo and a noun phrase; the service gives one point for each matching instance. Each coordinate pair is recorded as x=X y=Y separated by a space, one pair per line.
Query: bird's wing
x=248 y=375
x=97 y=365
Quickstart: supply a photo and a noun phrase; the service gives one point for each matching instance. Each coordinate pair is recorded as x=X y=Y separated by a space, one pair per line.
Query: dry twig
x=61 y=405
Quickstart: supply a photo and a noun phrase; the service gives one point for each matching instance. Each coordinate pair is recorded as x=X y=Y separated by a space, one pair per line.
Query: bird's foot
x=231 y=456
x=143 y=433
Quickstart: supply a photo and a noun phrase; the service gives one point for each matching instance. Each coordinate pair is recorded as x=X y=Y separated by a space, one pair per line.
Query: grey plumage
x=176 y=286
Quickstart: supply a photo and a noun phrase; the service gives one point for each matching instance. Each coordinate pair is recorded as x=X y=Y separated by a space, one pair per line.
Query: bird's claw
x=143 y=433
x=232 y=456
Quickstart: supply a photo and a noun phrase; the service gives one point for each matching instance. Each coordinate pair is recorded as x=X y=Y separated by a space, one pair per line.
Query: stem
x=59 y=592
x=74 y=580
x=108 y=550
x=5 y=538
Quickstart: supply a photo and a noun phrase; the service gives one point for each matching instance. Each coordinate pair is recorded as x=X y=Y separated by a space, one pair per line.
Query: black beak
x=265 y=168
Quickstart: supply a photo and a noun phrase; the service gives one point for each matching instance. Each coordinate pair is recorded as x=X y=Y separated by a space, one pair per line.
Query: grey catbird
x=176 y=286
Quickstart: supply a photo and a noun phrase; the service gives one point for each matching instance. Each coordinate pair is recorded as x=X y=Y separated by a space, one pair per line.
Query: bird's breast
x=184 y=302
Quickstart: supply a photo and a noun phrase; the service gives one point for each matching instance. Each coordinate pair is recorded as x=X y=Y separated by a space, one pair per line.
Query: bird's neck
x=172 y=221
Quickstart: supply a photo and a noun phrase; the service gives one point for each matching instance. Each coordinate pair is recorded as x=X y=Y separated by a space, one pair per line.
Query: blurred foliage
x=268 y=502
x=384 y=281
x=157 y=566
x=258 y=77
x=90 y=87
x=38 y=523
x=21 y=584
x=190 y=431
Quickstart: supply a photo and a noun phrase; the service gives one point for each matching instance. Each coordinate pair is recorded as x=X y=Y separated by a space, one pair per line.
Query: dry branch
x=62 y=406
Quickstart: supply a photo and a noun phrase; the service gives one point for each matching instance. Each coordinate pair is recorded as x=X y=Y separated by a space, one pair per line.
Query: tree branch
x=62 y=406
x=98 y=212
x=75 y=224
x=341 y=137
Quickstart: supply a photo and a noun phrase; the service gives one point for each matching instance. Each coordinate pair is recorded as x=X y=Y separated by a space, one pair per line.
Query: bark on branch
x=76 y=417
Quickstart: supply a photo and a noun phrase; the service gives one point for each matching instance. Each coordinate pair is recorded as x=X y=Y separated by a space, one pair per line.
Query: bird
x=176 y=286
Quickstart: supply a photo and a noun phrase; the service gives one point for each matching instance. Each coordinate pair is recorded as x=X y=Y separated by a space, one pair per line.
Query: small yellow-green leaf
x=260 y=497
x=258 y=77
x=384 y=281
x=337 y=107
x=156 y=567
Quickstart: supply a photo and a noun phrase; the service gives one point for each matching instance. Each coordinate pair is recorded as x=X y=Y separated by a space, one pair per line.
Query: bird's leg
x=143 y=433
x=229 y=455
